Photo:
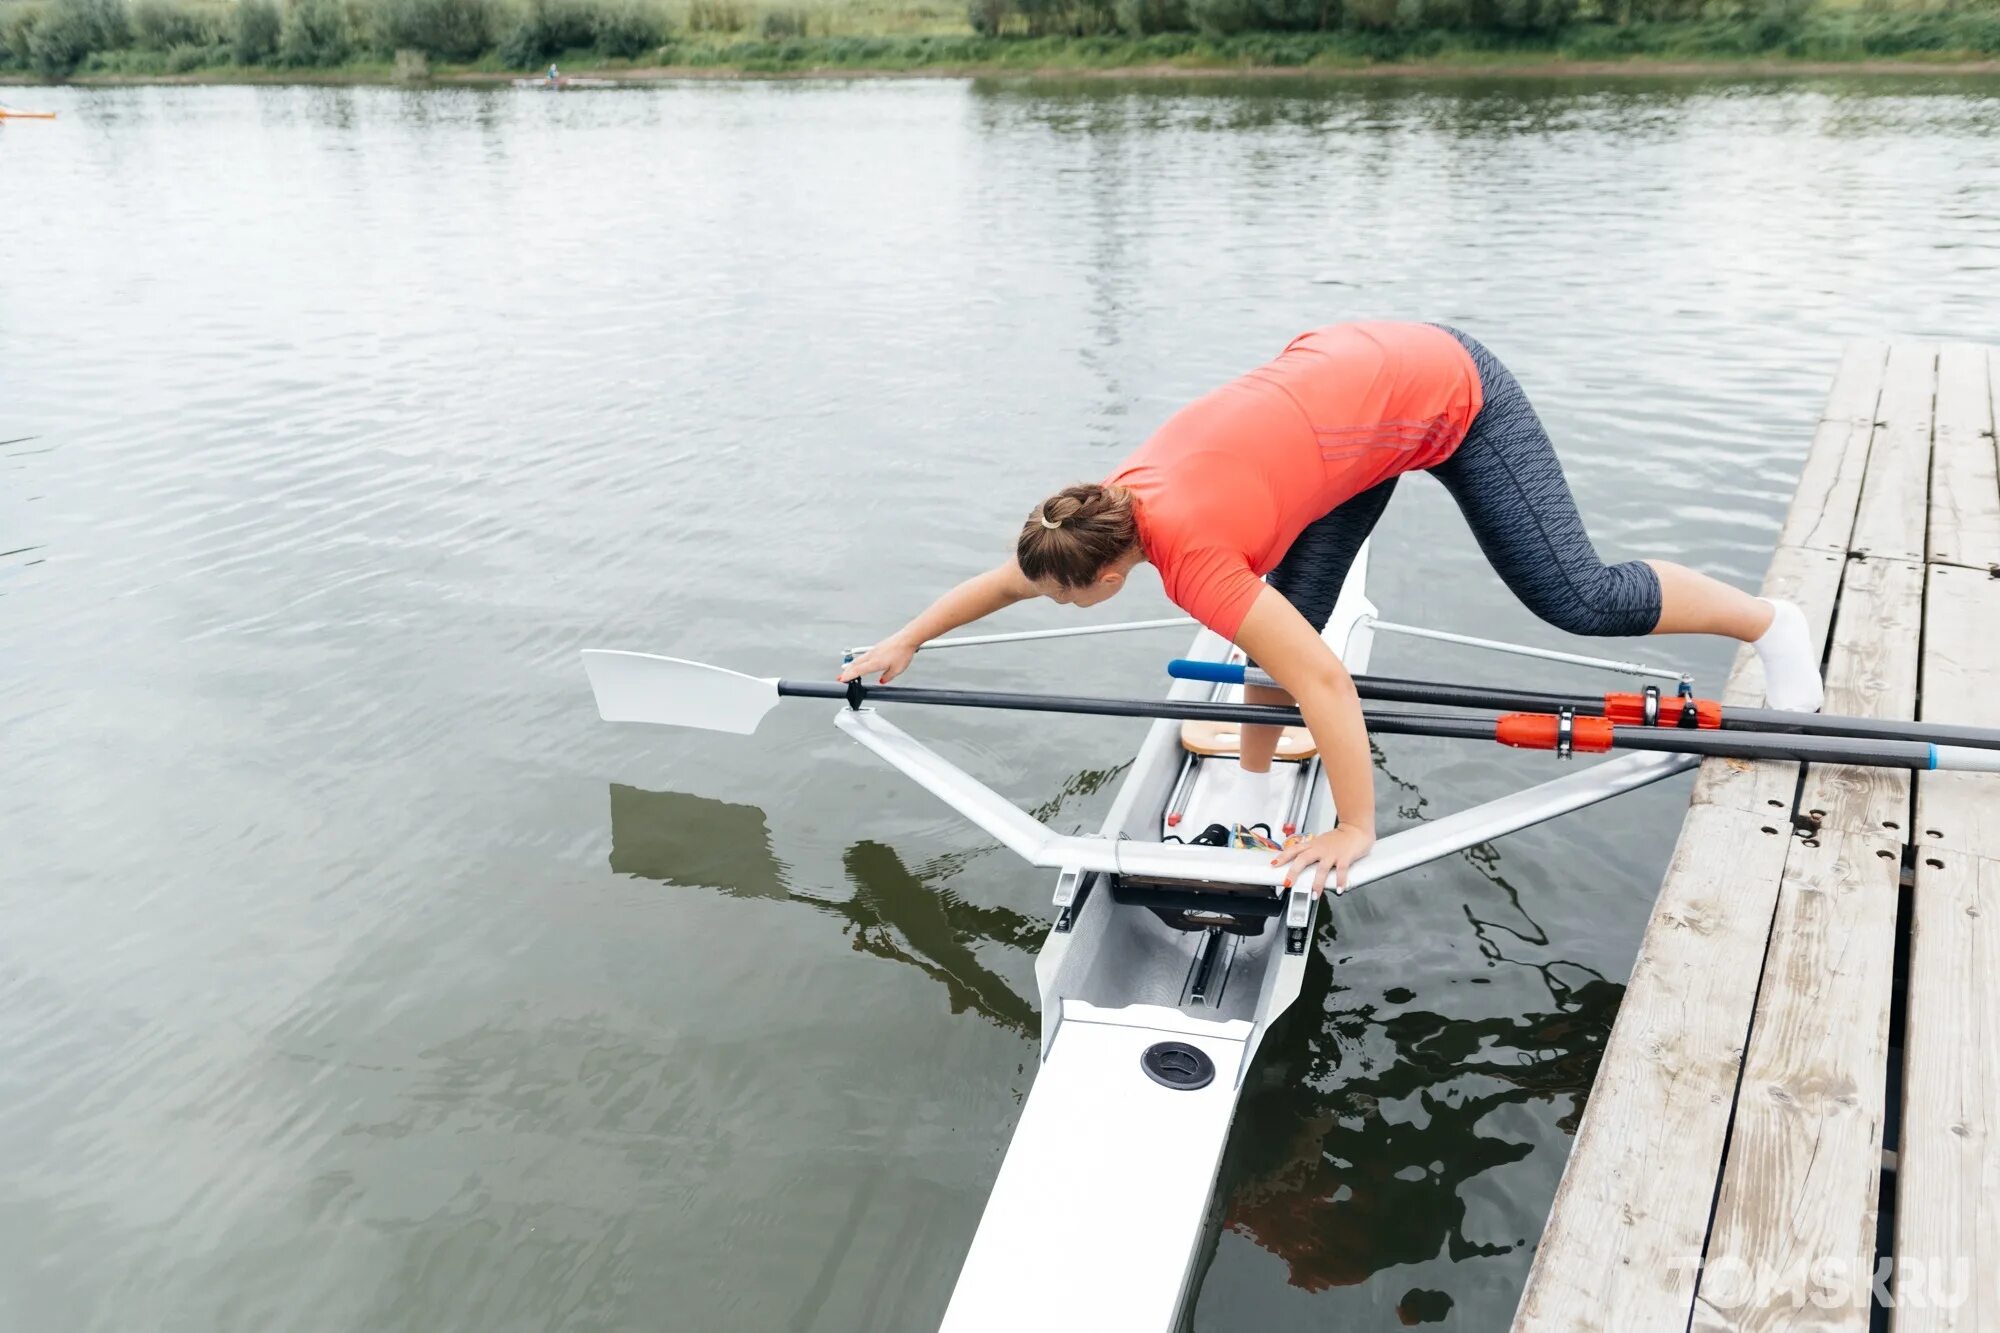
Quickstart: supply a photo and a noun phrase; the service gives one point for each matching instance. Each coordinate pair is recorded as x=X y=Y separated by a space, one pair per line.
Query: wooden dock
x=1804 y=1078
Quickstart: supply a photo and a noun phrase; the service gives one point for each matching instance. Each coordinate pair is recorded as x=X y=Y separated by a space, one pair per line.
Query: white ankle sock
x=1791 y=668
x=1245 y=797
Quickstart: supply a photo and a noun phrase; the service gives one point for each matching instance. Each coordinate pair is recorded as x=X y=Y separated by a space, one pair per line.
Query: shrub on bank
x=778 y=24
x=314 y=32
x=442 y=29
x=627 y=29
x=190 y=56
x=162 y=25
x=17 y=30
x=254 y=27
x=1142 y=18
x=64 y=34
x=716 y=16
x=544 y=30
x=617 y=29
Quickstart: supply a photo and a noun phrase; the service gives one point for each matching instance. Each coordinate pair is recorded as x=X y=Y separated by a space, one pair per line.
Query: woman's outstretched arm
x=977 y=597
x=1280 y=641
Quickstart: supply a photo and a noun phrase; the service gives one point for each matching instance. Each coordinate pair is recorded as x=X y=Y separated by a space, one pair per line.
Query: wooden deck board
x=1871 y=671
x=1896 y=486
x=1960 y=811
x=1800 y=1183
x=1822 y=511
x=1822 y=514
x=1857 y=384
x=1787 y=945
x=1965 y=484
x=1632 y=1210
x=1948 y=1185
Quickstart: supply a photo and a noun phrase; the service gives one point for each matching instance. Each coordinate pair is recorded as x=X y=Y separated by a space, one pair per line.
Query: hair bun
x=1074 y=534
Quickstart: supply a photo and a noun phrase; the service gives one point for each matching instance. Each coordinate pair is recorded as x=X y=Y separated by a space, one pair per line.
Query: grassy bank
x=367 y=40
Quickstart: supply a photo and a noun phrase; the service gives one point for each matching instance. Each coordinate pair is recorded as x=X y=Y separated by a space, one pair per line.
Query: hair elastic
x=1044 y=516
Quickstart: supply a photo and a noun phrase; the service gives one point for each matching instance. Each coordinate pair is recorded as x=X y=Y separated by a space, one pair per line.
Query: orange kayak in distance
x=6 y=114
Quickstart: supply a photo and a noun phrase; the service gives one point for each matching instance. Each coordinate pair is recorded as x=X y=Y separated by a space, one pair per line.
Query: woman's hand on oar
x=1334 y=851
x=891 y=657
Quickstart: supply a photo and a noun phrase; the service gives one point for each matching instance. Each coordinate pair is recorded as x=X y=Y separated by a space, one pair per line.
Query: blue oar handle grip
x=1221 y=673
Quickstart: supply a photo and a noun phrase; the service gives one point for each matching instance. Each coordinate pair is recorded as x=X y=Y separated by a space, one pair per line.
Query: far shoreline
x=1457 y=66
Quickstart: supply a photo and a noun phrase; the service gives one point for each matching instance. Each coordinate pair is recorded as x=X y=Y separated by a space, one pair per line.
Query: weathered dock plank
x=1960 y=811
x=1895 y=489
x=1871 y=671
x=1857 y=383
x=1787 y=943
x=1632 y=1211
x=1781 y=1135
x=1631 y=1216
x=1829 y=490
x=1797 y=1200
x=1798 y=1197
x=1948 y=1200
x=1948 y=1184
x=1965 y=482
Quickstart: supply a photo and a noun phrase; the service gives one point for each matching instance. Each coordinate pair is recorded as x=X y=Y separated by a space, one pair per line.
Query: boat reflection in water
x=682 y=839
x=1367 y=1114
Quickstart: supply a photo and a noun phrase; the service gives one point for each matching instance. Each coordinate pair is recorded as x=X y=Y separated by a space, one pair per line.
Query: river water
x=354 y=977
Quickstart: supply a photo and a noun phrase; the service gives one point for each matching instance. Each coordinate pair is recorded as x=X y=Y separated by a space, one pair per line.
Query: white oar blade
x=639 y=687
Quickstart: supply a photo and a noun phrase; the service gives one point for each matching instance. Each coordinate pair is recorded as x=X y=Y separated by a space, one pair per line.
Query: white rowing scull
x=1166 y=965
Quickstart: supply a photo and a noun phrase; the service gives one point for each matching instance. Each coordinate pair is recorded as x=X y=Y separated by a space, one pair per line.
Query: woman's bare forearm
x=1333 y=715
x=977 y=597
x=1332 y=712
x=1284 y=645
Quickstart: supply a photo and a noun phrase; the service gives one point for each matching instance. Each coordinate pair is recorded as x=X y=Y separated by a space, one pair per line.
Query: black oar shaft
x=1773 y=720
x=1391 y=690
x=1889 y=753
x=1873 y=753
x=1088 y=705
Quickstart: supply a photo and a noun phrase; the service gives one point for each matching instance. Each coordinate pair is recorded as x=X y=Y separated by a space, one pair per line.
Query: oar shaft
x=1089 y=705
x=1872 y=728
x=1386 y=689
x=1460 y=726
x=1032 y=635
x=1709 y=743
x=1396 y=690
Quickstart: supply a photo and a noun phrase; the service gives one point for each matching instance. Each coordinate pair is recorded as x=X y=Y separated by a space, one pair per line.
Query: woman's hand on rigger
x=1333 y=852
x=891 y=658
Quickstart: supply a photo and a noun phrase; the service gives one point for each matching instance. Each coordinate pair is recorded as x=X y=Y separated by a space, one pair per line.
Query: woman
x=1284 y=472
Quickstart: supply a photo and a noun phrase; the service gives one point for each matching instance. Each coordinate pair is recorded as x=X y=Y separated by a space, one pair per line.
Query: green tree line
x=62 y=37
x=56 y=38
x=1221 y=18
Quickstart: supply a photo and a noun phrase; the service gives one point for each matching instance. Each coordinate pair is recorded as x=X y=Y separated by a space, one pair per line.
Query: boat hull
x=1102 y=1208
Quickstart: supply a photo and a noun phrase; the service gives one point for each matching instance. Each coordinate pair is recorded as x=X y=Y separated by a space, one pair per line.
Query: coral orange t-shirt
x=1224 y=487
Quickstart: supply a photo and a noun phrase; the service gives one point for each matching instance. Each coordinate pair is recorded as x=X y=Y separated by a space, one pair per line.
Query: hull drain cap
x=1177 y=1065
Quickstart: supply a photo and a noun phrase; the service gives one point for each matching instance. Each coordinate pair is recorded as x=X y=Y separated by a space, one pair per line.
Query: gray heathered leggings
x=1509 y=484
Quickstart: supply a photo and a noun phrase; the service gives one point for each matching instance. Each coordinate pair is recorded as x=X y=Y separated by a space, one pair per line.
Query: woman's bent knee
x=1620 y=601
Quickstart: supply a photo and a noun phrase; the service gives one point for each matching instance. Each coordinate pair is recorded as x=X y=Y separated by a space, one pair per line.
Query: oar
x=1624 y=709
x=638 y=687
